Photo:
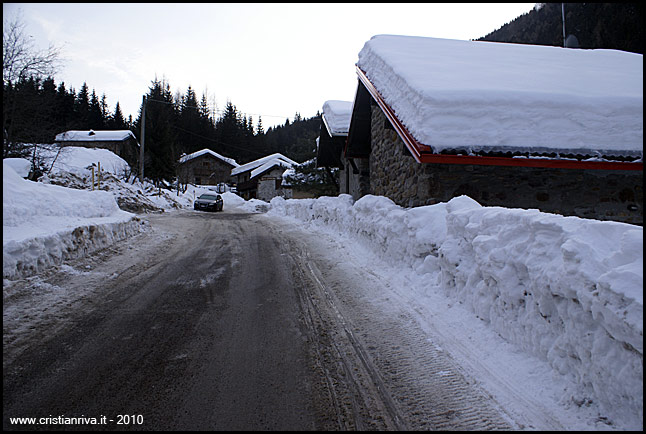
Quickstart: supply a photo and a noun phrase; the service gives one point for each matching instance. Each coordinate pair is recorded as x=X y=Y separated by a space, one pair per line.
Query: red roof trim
x=423 y=153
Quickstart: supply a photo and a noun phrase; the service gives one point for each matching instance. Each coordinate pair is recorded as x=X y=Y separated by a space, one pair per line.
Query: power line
x=218 y=141
x=214 y=110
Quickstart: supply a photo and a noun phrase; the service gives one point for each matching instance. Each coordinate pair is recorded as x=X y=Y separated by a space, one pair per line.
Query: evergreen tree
x=105 y=115
x=229 y=134
x=95 y=116
x=188 y=127
x=259 y=129
x=160 y=153
x=116 y=120
x=82 y=107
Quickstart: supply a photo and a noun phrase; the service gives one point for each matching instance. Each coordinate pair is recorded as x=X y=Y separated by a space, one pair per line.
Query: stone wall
x=596 y=194
x=269 y=186
x=355 y=182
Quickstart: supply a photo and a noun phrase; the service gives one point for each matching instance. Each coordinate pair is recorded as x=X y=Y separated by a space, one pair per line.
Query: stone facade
x=270 y=185
x=355 y=182
x=595 y=194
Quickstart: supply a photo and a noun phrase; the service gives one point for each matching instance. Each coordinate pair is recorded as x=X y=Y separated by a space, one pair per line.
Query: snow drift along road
x=566 y=289
x=42 y=225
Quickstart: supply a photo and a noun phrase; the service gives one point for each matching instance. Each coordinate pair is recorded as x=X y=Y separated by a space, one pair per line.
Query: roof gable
x=336 y=117
x=196 y=154
x=263 y=164
x=470 y=97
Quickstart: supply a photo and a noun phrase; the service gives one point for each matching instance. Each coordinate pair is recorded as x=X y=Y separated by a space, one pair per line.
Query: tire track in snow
x=417 y=384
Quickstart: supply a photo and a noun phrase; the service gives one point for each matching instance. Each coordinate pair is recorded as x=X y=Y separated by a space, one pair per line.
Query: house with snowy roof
x=512 y=125
x=205 y=167
x=335 y=123
x=121 y=142
x=263 y=178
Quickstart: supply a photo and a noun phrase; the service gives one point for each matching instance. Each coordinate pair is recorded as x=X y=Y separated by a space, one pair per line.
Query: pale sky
x=268 y=59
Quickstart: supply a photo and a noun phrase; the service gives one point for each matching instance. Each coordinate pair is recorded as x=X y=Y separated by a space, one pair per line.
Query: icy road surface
x=234 y=321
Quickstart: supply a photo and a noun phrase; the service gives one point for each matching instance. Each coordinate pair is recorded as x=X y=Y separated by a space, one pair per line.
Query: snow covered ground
x=45 y=222
x=565 y=290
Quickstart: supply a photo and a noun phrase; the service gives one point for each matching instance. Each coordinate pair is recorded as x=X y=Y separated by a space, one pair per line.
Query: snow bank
x=45 y=224
x=565 y=289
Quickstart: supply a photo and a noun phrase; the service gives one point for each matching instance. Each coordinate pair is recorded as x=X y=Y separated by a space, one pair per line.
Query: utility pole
x=143 y=141
x=563 y=15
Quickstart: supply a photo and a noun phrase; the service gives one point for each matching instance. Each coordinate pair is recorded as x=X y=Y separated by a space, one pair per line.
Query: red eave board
x=423 y=153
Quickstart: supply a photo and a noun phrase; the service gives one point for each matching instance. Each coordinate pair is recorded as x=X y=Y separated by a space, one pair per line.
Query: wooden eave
x=357 y=144
x=424 y=153
x=330 y=147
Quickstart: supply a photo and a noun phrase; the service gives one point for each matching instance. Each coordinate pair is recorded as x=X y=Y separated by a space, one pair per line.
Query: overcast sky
x=268 y=59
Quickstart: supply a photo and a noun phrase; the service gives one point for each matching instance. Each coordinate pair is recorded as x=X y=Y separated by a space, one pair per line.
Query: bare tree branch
x=20 y=57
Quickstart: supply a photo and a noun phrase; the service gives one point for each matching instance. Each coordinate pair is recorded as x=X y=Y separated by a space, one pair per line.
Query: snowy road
x=234 y=321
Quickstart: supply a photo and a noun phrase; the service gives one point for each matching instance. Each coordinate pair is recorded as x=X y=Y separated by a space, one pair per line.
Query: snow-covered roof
x=491 y=96
x=262 y=164
x=94 y=136
x=21 y=166
x=336 y=117
x=230 y=161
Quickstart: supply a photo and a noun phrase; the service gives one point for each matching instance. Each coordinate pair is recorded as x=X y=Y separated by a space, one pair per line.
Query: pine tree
x=116 y=120
x=160 y=157
x=104 y=109
x=82 y=107
x=95 y=117
x=259 y=129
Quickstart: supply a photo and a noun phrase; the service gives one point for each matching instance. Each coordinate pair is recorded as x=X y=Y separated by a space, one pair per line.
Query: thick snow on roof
x=490 y=96
x=336 y=116
x=260 y=165
x=21 y=166
x=91 y=135
x=231 y=161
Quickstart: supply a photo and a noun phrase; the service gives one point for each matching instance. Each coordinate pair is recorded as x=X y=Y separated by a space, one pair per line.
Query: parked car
x=208 y=202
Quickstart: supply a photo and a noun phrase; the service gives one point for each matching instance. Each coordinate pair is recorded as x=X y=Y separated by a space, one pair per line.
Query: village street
x=234 y=321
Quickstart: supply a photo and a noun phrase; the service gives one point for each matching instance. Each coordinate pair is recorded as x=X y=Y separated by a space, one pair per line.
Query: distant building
x=335 y=124
x=121 y=142
x=512 y=125
x=263 y=178
x=205 y=167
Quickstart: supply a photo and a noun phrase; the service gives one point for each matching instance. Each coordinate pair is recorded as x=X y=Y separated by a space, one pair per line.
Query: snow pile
x=80 y=160
x=45 y=224
x=492 y=96
x=21 y=166
x=565 y=289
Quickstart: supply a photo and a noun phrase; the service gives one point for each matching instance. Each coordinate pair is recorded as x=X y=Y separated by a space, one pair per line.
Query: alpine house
x=513 y=125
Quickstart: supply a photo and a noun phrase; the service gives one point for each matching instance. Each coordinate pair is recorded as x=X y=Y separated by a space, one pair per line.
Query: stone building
x=121 y=142
x=263 y=178
x=205 y=167
x=504 y=134
x=335 y=123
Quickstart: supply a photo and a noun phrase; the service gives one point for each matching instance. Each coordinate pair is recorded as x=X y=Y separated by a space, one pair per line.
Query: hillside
x=595 y=25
